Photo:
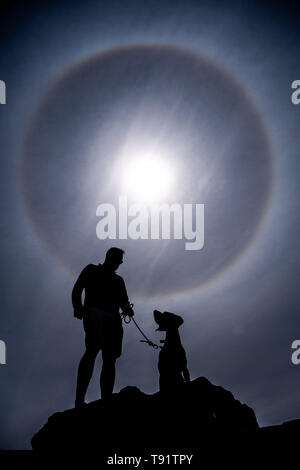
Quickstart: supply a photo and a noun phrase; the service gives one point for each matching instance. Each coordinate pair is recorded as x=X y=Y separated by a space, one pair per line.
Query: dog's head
x=167 y=320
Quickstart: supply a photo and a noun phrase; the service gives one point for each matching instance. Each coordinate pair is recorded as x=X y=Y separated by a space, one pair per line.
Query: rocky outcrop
x=191 y=418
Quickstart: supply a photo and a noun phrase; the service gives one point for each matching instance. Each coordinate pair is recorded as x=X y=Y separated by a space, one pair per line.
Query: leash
x=128 y=320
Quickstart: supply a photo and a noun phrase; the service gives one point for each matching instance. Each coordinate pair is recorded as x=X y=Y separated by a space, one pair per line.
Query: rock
x=190 y=418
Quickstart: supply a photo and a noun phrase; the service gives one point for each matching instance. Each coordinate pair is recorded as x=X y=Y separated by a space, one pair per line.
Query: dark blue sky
x=210 y=84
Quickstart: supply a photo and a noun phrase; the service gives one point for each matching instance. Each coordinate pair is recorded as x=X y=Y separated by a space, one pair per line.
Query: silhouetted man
x=105 y=294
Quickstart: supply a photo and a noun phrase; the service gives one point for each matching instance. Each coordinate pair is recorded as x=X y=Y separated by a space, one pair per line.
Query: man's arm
x=76 y=294
x=124 y=301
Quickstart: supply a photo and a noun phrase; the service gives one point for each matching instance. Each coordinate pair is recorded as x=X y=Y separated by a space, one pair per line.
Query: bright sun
x=148 y=178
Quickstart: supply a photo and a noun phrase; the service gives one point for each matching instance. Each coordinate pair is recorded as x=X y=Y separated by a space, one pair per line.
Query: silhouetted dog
x=172 y=363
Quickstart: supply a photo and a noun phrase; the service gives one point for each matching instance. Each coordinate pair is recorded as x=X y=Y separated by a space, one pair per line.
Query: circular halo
x=145 y=91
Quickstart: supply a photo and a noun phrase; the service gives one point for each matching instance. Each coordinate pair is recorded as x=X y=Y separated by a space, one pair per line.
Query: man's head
x=113 y=258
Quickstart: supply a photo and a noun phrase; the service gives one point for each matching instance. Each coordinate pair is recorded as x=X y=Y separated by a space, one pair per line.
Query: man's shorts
x=103 y=330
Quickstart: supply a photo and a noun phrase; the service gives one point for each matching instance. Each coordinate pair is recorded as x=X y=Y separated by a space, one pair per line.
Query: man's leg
x=108 y=373
x=85 y=372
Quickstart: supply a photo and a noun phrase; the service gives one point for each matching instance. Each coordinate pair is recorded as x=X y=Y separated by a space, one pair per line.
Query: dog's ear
x=158 y=317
